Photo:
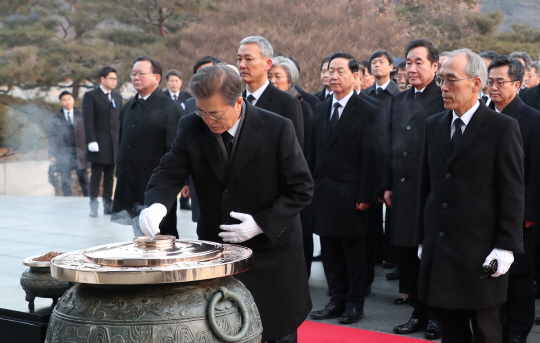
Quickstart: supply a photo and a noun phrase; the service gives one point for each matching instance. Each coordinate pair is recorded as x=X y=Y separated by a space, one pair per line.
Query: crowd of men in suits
x=448 y=144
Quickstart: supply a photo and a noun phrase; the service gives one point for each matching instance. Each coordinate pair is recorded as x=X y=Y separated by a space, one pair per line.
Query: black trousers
x=65 y=168
x=517 y=314
x=107 y=170
x=168 y=224
x=345 y=266
x=375 y=240
x=391 y=252
x=306 y=218
x=456 y=325
x=290 y=338
x=410 y=268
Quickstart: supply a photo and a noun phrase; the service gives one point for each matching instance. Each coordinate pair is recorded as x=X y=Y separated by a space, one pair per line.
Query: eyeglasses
x=211 y=116
x=499 y=83
x=134 y=75
x=111 y=78
x=449 y=81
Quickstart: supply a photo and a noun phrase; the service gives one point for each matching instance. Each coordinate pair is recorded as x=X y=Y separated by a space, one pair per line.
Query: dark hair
x=216 y=79
x=366 y=65
x=64 y=93
x=524 y=56
x=536 y=68
x=156 y=66
x=361 y=69
x=402 y=65
x=490 y=55
x=516 y=70
x=205 y=60
x=380 y=53
x=324 y=61
x=353 y=64
x=104 y=72
x=173 y=72
x=433 y=51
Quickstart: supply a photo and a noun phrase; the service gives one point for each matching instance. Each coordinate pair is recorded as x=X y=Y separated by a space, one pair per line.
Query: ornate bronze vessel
x=162 y=290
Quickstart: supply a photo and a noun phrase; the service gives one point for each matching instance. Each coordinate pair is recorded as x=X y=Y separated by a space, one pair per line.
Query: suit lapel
x=347 y=113
x=472 y=131
x=266 y=97
x=210 y=146
x=431 y=94
x=443 y=135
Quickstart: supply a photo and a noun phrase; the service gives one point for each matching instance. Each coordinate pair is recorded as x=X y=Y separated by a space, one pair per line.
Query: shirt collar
x=173 y=93
x=103 y=90
x=257 y=94
x=68 y=111
x=419 y=91
x=385 y=85
x=327 y=92
x=466 y=117
x=234 y=130
x=343 y=101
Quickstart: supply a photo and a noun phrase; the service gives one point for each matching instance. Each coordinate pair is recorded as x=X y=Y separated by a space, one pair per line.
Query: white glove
x=419 y=251
x=93 y=147
x=504 y=260
x=237 y=233
x=150 y=218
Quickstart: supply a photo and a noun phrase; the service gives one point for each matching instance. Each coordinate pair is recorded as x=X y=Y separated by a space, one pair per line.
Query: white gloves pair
x=504 y=259
x=93 y=147
x=150 y=218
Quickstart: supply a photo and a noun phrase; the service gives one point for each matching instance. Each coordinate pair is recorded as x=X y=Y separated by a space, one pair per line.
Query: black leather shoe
x=412 y=326
x=514 y=338
x=401 y=301
x=388 y=265
x=330 y=311
x=393 y=275
x=537 y=320
x=351 y=315
x=433 y=330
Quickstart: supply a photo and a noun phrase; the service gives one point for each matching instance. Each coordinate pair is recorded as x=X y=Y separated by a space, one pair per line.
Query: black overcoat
x=321 y=95
x=346 y=168
x=284 y=104
x=148 y=128
x=102 y=124
x=59 y=138
x=529 y=127
x=531 y=97
x=269 y=179
x=386 y=96
x=405 y=136
x=470 y=201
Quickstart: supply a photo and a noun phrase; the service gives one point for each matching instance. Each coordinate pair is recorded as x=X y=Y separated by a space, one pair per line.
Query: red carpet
x=312 y=332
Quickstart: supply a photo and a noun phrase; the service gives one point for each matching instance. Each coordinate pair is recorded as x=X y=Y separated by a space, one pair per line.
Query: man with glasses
x=471 y=205
x=148 y=124
x=408 y=113
x=101 y=110
x=252 y=182
x=517 y=314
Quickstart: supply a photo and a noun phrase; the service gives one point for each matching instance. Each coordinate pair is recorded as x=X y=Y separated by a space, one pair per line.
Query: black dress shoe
x=412 y=326
x=401 y=301
x=433 y=330
x=514 y=338
x=388 y=265
x=393 y=275
x=351 y=315
x=537 y=320
x=330 y=311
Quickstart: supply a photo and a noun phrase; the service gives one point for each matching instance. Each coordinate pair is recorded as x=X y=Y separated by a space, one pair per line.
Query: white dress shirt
x=257 y=94
x=465 y=118
x=342 y=102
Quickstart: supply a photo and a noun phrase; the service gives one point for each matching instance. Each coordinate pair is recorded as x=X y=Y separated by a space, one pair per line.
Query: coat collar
x=514 y=108
x=431 y=94
x=152 y=99
x=346 y=115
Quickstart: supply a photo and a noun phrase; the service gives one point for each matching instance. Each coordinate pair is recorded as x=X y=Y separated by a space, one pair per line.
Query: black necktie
x=485 y=98
x=228 y=141
x=334 y=120
x=458 y=135
x=329 y=95
x=108 y=96
x=379 y=91
x=250 y=98
x=175 y=97
x=417 y=95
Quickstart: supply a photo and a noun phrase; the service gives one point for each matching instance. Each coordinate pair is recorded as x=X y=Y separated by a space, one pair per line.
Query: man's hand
x=528 y=224
x=150 y=218
x=238 y=233
x=362 y=206
x=388 y=197
x=419 y=253
x=504 y=260
x=185 y=192
x=93 y=147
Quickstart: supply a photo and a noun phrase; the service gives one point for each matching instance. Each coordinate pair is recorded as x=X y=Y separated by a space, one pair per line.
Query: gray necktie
x=250 y=98
x=175 y=97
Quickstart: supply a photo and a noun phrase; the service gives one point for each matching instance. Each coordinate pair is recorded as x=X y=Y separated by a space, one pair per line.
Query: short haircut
x=156 y=66
x=403 y=65
x=64 y=93
x=104 y=72
x=367 y=66
x=536 y=69
x=516 y=70
x=380 y=53
x=324 y=61
x=215 y=79
x=205 y=60
x=353 y=64
x=489 y=55
x=524 y=56
x=433 y=51
x=265 y=48
x=361 y=69
x=173 y=72
x=290 y=68
x=475 y=66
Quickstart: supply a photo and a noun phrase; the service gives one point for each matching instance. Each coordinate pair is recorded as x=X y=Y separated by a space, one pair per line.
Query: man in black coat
x=101 y=111
x=471 y=205
x=326 y=92
x=345 y=160
x=531 y=97
x=408 y=113
x=250 y=174
x=254 y=61
x=67 y=147
x=384 y=88
x=148 y=124
x=517 y=314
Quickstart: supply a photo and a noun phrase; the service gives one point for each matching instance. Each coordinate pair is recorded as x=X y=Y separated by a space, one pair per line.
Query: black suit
x=284 y=104
x=385 y=97
x=68 y=147
x=322 y=95
x=471 y=200
x=268 y=178
x=102 y=125
x=346 y=171
x=517 y=314
x=148 y=128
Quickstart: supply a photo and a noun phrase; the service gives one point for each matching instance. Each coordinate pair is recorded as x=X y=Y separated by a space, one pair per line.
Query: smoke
x=21 y=127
